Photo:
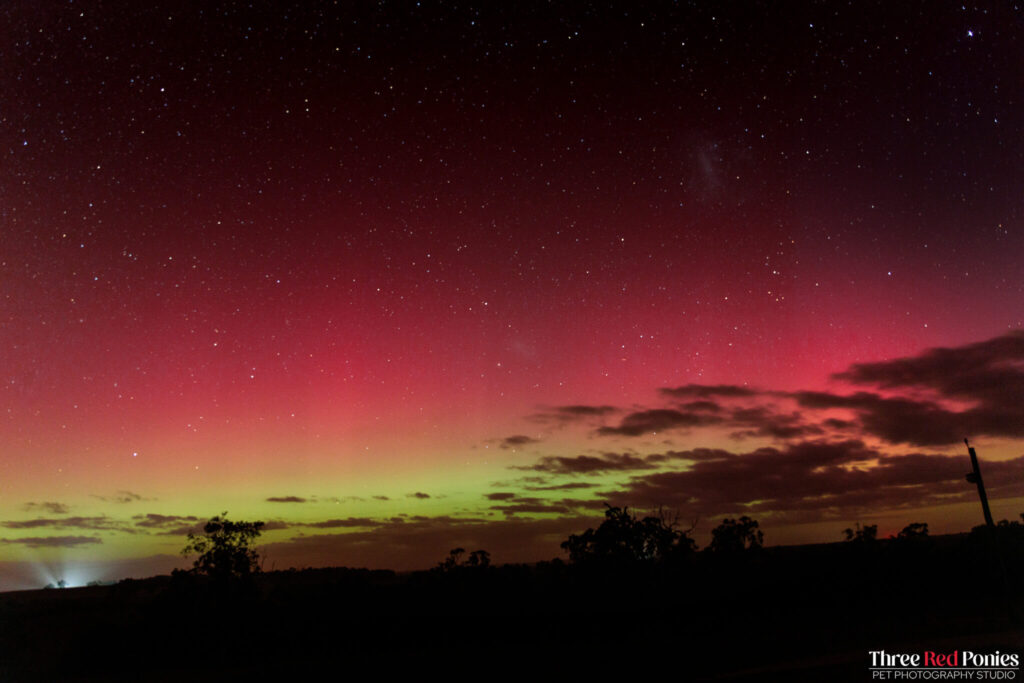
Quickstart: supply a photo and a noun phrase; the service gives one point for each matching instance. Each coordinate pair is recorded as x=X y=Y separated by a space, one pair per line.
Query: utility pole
x=975 y=478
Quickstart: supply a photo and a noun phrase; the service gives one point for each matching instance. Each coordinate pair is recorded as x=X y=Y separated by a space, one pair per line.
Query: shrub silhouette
x=225 y=548
x=866 y=534
x=623 y=537
x=917 y=530
x=733 y=536
x=478 y=559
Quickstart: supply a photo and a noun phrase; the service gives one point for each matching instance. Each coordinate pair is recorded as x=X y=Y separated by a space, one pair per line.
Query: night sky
x=398 y=277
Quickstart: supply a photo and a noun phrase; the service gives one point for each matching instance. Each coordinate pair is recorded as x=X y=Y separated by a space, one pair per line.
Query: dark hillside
x=768 y=610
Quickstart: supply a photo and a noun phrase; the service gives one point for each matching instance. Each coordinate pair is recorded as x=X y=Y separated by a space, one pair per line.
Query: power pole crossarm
x=975 y=478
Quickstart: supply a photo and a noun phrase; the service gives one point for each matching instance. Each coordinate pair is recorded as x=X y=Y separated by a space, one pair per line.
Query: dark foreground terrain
x=797 y=613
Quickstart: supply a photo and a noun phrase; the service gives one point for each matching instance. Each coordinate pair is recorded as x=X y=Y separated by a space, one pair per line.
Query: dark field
x=786 y=613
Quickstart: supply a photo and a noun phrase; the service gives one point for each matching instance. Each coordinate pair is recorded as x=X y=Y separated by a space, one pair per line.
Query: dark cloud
x=917 y=422
x=989 y=372
x=765 y=422
x=585 y=411
x=53 y=541
x=122 y=497
x=931 y=399
x=169 y=525
x=697 y=454
x=751 y=421
x=986 y=377
x=381 y=498
x=823 y=478
x=531 y=506
x=584 y=503
x=658 y=420
x=563 y=487
x=610 y=462
x=419 y=494
x=286 y=499
x=101 y=523
x=342 y=523
x=443 y=520
x=182 y=530
x=511 y=503
x=589 y=464
x=153 y=520
x=52 y=508
x=708 y=391
x=707 y=406
x=517 y=441
x=181 y=525
x=935 y=398
x=522 y=482
x=572 y=413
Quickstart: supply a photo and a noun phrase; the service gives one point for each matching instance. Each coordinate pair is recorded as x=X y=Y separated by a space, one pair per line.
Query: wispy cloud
x=53 y=541
x=122 y=497
x=659 y=420
x=562 y=415
x=589 y=464
x=101 y=523
x=517 y=441
x=50 y=507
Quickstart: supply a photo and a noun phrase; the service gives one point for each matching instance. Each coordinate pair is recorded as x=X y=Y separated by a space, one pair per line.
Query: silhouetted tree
x=861 y=534
x=1011 y=525
x=479 y=558
x=1005 y=530
x=225 y=548
x=622 y=537
x=915 y=530
x=732 y=536
x=452 y=561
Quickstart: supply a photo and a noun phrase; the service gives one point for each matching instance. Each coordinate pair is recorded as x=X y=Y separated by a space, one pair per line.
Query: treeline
x=631 y=588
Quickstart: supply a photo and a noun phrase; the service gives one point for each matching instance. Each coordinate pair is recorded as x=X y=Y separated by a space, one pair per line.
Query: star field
x=327 y=251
